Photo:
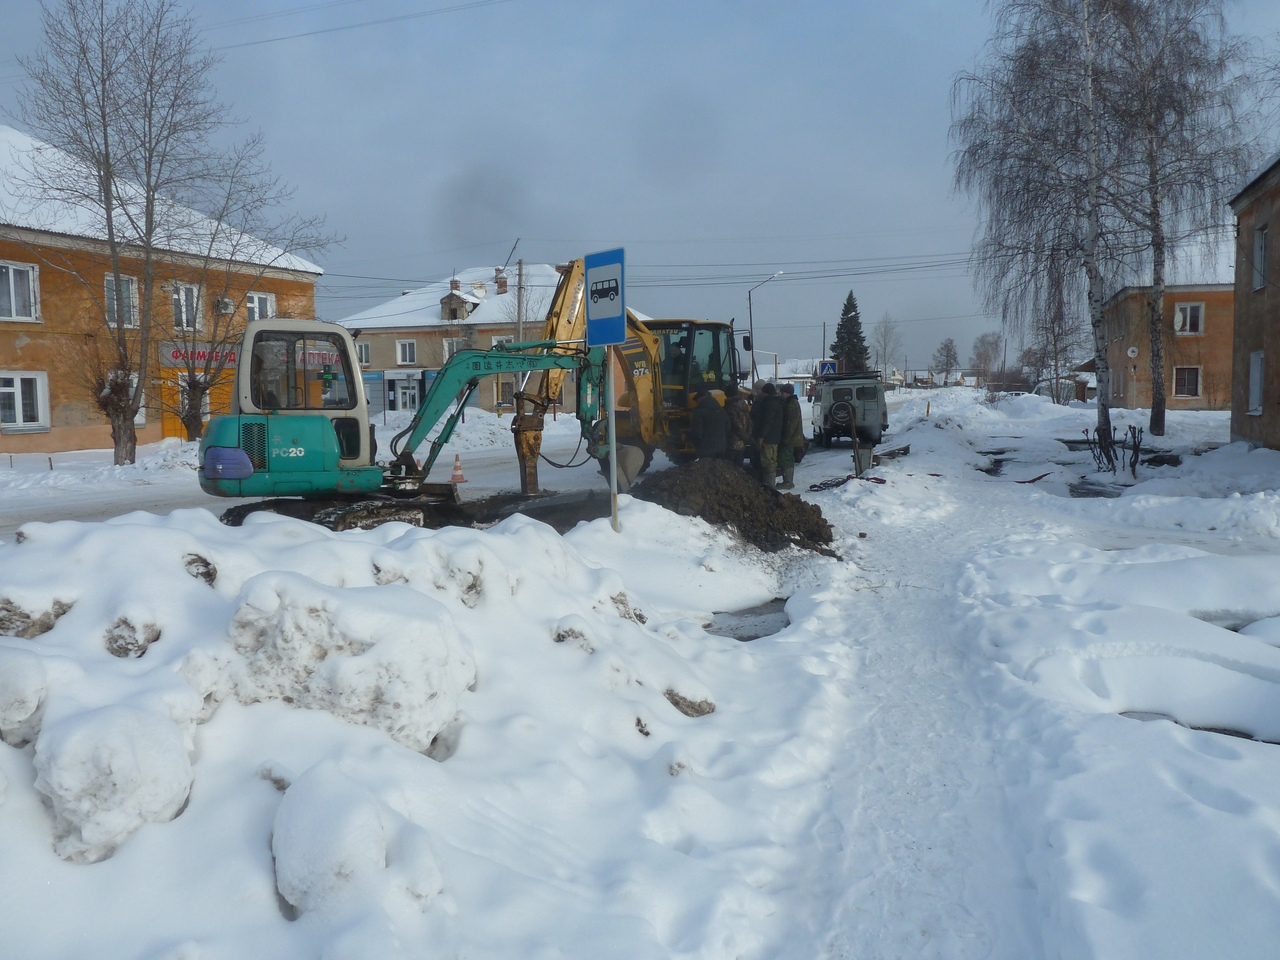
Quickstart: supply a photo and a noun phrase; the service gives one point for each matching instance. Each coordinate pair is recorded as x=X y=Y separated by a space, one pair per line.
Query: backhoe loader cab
x=693 y=355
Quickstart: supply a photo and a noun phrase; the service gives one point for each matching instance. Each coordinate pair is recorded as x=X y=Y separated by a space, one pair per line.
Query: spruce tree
x=850 y=349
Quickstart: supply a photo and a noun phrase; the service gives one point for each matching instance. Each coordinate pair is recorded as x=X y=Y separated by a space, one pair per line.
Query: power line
x=471 y=5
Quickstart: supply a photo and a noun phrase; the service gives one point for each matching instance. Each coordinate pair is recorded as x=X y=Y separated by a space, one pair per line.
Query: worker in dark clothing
x=766 y=430
x=739 y=440
x=791 y=449
x=710 y=426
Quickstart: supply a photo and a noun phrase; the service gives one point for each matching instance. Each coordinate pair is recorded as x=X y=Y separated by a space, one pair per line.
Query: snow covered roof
x=197 y=235
x=477 y=285
x=1266 y=168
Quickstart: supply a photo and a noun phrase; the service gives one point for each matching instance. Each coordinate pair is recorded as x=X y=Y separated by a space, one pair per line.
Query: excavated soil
x=726 y=495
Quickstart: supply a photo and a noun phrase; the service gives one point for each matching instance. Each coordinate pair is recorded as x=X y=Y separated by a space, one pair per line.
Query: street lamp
x=751 y=326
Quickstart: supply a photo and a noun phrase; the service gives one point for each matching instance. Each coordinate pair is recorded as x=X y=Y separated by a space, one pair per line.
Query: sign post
x=607 y=327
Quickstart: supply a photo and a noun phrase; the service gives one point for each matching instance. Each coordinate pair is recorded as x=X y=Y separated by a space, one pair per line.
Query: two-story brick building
x=58 y=306
x=402 y=343
x=1197 y=328
x=1255 y=408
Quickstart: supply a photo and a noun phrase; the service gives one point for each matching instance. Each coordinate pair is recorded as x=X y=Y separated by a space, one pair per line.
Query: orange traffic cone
x=457 y=470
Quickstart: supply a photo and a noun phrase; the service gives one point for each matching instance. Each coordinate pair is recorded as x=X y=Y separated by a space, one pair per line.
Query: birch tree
x=1033 y=152
x=1177 y=103
x=885 y=343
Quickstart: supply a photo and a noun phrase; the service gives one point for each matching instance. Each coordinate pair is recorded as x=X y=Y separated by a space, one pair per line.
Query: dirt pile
x=723 y=494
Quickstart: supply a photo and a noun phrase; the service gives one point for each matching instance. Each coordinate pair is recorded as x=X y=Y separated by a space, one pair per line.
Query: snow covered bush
x=385 y=657
x=108 y=771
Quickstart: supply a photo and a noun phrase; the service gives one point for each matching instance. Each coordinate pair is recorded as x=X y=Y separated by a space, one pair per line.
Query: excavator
x=299 y=432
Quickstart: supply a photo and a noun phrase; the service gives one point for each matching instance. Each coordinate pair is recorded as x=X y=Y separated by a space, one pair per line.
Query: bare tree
x=122 y=92
x=1175 y=96
x=946 y=358
x=1033 y=150
x=986 y=351
x=885 y=342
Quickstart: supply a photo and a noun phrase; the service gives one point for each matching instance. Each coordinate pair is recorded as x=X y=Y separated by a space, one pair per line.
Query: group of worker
x=767 y=435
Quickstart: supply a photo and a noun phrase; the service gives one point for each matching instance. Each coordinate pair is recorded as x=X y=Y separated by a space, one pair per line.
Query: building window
x=1255 y=383
x=1260 y=258
x=1186 y=381
x=504 y=392
x=406 y=352
x=260 y=306
x=17 y=291
x=186 y=306
x=1188 y=319
x=452 y=345
x=362 y=352
x=502 y=340
x=129 y=290
x=24 y=402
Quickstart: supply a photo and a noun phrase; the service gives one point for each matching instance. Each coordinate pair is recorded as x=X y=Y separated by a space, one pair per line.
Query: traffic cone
x=457 y=470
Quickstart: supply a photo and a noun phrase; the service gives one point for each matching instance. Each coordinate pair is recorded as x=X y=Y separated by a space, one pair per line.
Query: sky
x=1001 y=723
x=717 y=142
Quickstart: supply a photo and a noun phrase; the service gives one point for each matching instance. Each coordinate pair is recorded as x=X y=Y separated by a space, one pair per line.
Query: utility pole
x=823 y=354
x=520 y=301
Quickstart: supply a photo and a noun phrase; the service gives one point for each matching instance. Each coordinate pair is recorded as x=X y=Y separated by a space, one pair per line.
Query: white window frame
x=363 y=353
x=181 y=320
x=1188 y=319
x=452 y=345
x=260 y=306
x=109 y=301
x=1256 y=370
x=1199 y=383
x=407 y=353
x=499 y=339
x=33 y=291
x=21 y=424
x=1261 y=242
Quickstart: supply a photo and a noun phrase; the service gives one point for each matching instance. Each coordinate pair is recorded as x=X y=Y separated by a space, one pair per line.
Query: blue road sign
x=826 y=368
x=606 y=301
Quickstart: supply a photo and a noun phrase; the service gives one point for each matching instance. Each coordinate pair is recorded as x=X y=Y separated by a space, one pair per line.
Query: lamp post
x=751 y=326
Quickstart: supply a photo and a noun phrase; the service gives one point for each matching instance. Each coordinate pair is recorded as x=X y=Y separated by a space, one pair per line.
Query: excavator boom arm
x=459 y=377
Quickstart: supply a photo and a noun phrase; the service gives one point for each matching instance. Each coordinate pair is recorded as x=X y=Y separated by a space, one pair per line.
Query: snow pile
x=339 y=850
x=386 y=656
x=107 y=772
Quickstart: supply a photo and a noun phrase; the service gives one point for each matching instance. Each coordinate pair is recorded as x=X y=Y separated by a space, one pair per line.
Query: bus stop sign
x=606 y=303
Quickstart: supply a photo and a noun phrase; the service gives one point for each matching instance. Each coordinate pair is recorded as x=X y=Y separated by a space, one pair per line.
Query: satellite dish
x=1132 y=352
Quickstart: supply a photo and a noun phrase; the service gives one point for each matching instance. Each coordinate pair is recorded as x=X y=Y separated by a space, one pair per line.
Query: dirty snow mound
x=107 y=772
x=386 y=657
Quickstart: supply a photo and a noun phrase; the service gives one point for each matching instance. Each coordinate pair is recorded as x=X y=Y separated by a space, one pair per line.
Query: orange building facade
x=57 y=310
x=1198 y=325
x=1255 y=409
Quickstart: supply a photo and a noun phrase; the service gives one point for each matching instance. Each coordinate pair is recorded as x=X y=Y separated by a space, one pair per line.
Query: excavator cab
x=299 y=423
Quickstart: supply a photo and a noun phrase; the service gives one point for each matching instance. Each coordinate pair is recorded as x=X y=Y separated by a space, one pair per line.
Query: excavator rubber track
x=561 y=511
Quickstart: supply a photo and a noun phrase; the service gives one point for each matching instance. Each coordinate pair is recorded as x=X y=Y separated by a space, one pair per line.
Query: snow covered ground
x=1004 y=723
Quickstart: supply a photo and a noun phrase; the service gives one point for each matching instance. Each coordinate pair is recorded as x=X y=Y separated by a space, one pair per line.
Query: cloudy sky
x=717 y=141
